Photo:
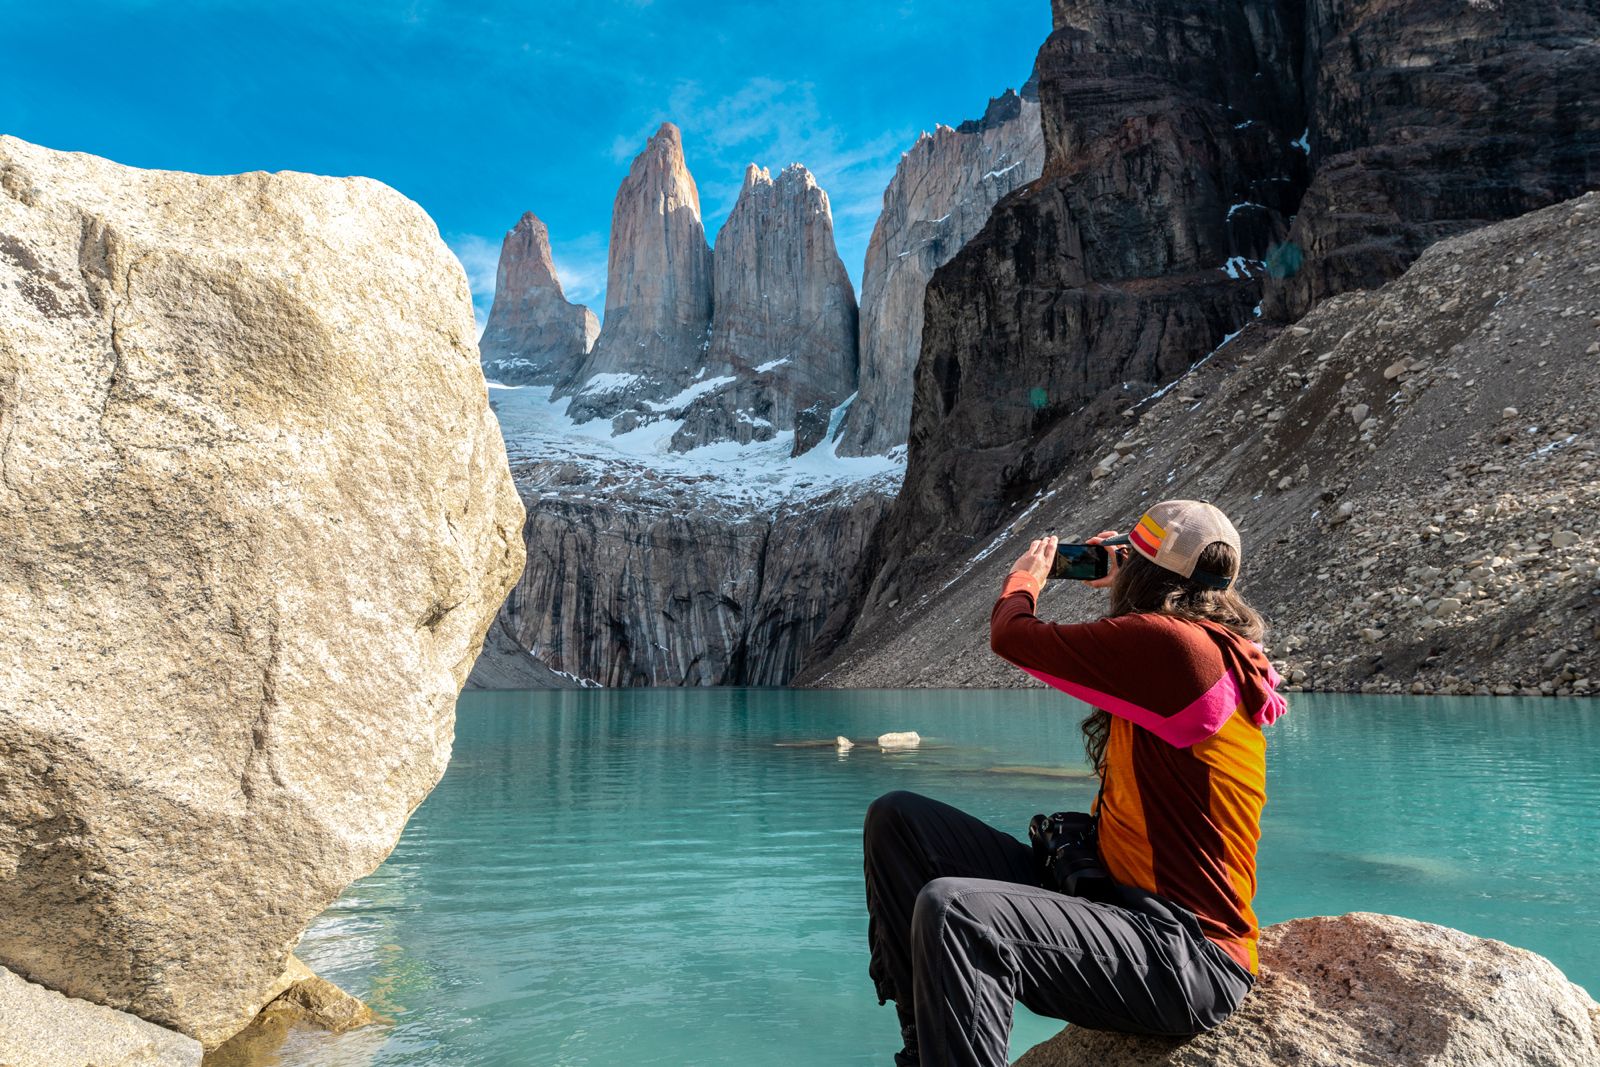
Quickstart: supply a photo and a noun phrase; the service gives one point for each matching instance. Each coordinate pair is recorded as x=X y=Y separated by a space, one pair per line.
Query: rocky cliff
x=652 y=567
x=1164 y=219
x=658 y=290
x=1360 y=989
x=1414 y=470
x=255 y=518
x=533 y=336
x=783 y=325
x=701 y=531
x=1426 y=119
x=940 y=197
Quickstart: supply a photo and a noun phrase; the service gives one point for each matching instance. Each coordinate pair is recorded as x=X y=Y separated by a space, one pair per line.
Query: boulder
x=42 y=1028
x=1366 y=989
x=307 y=1001
x=255 y=518
x=1430 y=118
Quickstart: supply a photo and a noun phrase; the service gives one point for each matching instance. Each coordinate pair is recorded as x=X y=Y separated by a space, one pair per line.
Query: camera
x=1066 y=846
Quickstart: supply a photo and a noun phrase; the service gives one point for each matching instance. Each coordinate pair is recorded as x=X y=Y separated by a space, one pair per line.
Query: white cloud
x=480 y=258
x=581 y=266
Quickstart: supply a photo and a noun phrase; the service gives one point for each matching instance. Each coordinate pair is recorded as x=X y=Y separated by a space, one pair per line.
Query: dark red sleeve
x=1157 y=672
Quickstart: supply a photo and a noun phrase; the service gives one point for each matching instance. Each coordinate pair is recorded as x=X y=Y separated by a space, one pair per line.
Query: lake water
x=655 y=877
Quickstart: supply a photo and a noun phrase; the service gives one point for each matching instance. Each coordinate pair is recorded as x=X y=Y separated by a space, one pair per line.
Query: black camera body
x=1066 y=846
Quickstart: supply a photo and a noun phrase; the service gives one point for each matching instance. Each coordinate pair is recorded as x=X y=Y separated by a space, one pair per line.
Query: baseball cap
x=1174 y=533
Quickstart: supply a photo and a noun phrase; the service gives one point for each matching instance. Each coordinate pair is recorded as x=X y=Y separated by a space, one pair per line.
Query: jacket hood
x=1258 y=679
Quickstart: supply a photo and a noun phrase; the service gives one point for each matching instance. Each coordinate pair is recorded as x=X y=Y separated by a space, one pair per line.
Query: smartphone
x=1082 y=563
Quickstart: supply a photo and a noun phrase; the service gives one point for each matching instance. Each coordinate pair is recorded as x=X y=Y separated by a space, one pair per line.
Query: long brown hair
x=1144 y=587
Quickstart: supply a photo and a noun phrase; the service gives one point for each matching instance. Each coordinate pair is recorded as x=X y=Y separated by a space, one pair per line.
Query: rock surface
x=505 y=664
x=1174 y=160
x=42 y=1028
x=306 y=1001
x=658 y=288
x=255 y=519
x=641 y=577
x=1430 y=118
x=1421 y=549
x=784 y=321
x=1365 y=990
x=533 y=336
x=940 y=197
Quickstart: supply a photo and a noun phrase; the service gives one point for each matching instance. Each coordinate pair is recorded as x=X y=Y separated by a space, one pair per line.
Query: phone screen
x=1082 y=563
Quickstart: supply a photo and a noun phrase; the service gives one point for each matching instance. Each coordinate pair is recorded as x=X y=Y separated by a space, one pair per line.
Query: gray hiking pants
x=960 y=925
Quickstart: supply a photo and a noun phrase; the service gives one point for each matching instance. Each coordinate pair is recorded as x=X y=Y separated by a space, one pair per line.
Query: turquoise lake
x=661 y=877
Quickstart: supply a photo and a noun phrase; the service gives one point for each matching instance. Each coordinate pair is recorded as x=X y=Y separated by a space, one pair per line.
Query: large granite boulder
x=42 y=1028
x=1365 y=990
x=534 y=336
x=255 y=517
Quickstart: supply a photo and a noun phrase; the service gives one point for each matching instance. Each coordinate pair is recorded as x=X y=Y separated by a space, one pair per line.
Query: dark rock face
x=1429 y=119
x=533 y=336
x=1109 y=269
x=1414 y=472
x=1175 y=169
x=651 y=586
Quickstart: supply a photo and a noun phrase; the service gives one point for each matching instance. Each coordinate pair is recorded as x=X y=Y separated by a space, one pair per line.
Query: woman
x=960 y=920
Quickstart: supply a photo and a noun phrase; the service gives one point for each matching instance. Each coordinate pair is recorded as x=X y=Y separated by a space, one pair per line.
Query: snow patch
x=683 y=399
x=773 y=364
x=760 y=475
x=601 y=384
x=1238 y=267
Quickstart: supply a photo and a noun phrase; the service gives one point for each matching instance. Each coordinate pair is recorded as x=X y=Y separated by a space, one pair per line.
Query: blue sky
x=482 y=109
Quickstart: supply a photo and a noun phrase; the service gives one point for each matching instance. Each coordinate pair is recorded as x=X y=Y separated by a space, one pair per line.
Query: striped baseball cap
x=1174 y=533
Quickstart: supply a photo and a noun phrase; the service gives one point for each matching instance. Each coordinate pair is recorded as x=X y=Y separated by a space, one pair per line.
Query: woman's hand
x=1038 y=560
x=1116 y=559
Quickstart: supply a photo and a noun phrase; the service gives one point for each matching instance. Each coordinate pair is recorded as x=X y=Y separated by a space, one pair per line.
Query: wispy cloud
x=581 y=266
x=480 y=257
